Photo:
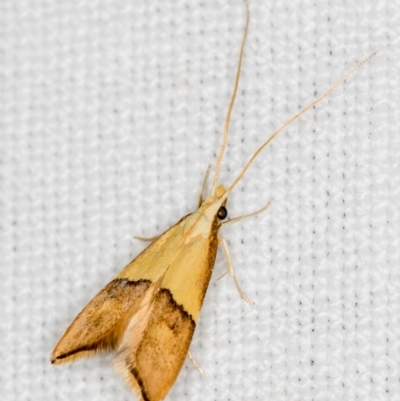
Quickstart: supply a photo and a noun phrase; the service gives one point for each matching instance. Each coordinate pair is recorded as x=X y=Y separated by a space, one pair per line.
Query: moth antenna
x=295 y=117
x=232 y=102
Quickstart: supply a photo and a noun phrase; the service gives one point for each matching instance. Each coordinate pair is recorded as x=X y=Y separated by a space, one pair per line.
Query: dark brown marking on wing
x=136 y=375
x=177 y=313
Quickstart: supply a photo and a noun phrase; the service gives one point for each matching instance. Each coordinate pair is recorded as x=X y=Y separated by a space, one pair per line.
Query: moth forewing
x=155 y=322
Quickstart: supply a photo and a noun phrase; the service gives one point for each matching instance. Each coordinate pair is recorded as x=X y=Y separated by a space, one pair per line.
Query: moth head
x=215 y=204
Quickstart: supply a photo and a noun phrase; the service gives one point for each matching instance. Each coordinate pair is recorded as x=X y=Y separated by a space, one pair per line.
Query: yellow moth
x=149 y=312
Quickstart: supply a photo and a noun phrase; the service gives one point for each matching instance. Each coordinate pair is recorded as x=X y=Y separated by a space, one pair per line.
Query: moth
x=149 y=312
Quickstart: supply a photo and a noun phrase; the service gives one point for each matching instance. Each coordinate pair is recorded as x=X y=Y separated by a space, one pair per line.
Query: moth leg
x=235 y=219
x=147 y=239
x=230 y=270
x=203 y=187
x=196 y=365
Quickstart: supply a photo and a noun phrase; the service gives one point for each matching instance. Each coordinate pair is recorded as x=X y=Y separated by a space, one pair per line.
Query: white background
x=110 y=112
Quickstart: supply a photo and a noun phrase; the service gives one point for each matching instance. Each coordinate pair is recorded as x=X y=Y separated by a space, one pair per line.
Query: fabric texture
x=110 y=113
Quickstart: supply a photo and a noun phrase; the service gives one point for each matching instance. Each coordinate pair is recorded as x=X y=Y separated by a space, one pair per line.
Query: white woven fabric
x=110 y=112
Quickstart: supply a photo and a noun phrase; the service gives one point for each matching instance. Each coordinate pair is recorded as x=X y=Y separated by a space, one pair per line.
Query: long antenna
x=294 y=118
x=232 y=102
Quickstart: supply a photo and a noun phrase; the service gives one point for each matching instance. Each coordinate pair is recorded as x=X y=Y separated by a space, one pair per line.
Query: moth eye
x=222 y=213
